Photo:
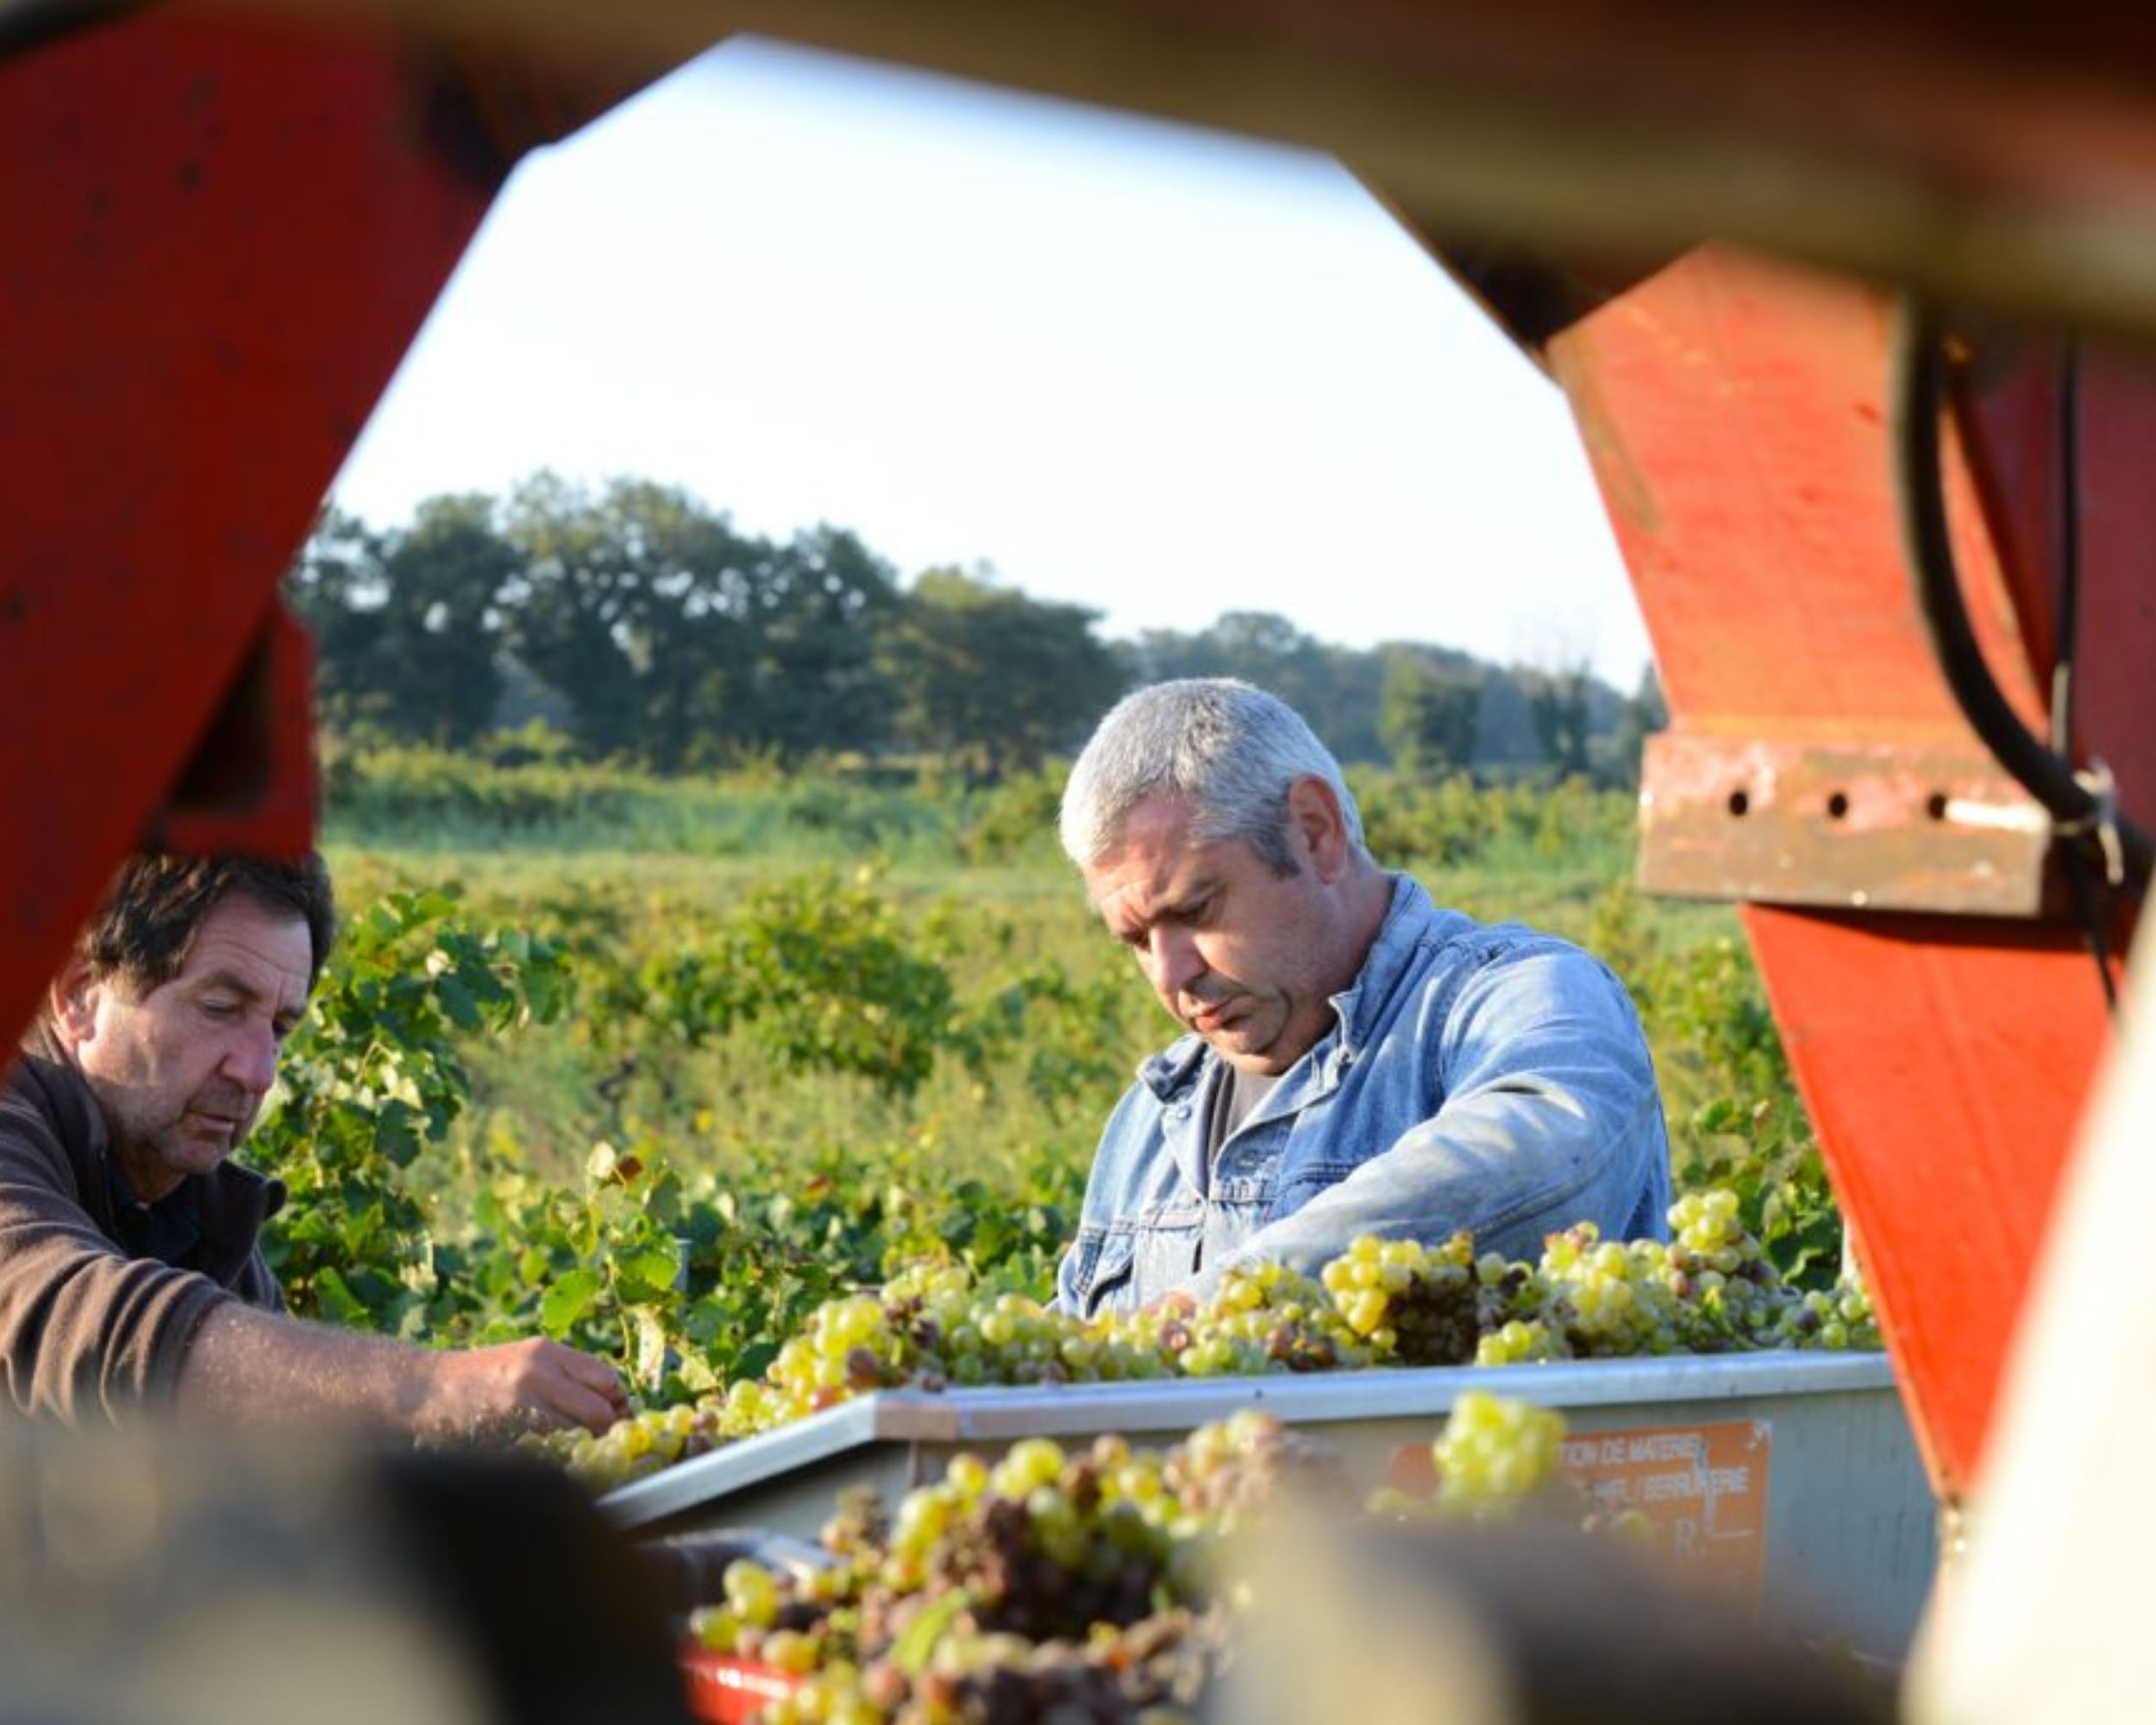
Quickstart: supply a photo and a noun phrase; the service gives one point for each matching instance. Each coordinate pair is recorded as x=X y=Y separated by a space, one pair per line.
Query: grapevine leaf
x=752 y=1360
x=457 y=1002
x=337 y=1303
x=567 y=1302
x=651 y=1270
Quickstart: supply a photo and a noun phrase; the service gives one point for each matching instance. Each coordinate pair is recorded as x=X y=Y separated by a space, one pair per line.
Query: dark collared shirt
x=168 y=1230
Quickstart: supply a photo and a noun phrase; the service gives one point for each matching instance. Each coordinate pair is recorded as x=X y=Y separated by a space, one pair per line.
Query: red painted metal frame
x=1735 y=413
x=221 y=233
x=252 y=785
x=1945 y=1064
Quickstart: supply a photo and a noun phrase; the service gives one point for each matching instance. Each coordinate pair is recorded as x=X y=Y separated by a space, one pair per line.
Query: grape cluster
x=1710 y=1289
x=1264 y=1318
x=1495 y=1454
x=1415 y=1305
x=1495 y=1460
x=1006 y=1591
x=646 y=1441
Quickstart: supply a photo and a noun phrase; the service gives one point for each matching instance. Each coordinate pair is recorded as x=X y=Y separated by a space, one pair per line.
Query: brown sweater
x=86 y=1332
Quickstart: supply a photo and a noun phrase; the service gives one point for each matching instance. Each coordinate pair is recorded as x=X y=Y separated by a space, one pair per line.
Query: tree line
x=640 y=624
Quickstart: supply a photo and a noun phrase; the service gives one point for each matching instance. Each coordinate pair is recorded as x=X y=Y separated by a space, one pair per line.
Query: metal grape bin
x=1790 y=1478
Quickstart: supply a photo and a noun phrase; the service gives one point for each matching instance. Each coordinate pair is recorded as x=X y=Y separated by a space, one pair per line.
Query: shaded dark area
x=562 y=1616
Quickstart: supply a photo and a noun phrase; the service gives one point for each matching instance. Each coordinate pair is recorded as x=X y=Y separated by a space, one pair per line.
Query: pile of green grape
x=1496 y=1459
x=1096 y=1585
x=1048 y=1580
x=1709 y=1288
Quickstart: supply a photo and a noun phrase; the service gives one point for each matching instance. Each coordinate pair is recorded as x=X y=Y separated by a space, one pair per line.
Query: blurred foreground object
x=2043 y=1610
x=147 y=1580
x=1511 y=1626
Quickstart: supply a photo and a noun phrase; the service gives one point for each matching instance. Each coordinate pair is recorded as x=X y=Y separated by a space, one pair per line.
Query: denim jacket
x=1489 y=1078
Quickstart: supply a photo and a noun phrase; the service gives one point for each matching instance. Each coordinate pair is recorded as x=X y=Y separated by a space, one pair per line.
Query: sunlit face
x=1246 y=958
x=180 y=1073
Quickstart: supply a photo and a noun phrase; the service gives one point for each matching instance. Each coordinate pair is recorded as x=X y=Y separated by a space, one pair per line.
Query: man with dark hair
x=1358 y=1060
x=130 y=1274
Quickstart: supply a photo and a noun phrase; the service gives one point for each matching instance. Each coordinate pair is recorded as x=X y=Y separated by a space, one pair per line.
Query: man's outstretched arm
x=245 y=1366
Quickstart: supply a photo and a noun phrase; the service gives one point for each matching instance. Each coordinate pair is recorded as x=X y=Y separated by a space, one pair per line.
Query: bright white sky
x=1159 y=371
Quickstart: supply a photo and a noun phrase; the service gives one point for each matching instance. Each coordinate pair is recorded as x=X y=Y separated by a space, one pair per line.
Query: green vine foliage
x=371 y=1080
x=821 y=972
x=685 y=1283
x=1735 y=1117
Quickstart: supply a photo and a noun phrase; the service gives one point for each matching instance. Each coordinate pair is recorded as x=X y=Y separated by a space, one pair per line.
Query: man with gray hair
x=1359 y=1061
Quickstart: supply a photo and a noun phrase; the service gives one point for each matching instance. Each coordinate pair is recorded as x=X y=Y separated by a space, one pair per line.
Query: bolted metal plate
x=1878 y=826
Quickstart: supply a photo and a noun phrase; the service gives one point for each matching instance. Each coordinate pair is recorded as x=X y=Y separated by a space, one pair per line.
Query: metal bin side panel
x=1845 y=1540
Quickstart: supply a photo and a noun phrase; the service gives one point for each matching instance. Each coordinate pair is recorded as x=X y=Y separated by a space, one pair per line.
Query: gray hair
x=1228 y=748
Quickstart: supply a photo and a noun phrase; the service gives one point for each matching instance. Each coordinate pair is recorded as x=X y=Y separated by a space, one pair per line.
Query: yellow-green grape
x=1407 y=1300
x=752 y=1595
x=1031 y=1462
x=1517 y=1343
x=1495 y=1454
x=789 y=1650
x=967 y=1475
x=638 y=1445
x=716 y=1627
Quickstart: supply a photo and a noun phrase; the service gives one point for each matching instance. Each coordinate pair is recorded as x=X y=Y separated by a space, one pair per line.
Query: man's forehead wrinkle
x=247 y=960
x=1165 y=893
x=225 y=977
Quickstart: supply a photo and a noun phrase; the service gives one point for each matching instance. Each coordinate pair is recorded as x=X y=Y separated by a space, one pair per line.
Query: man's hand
x=536 y=1386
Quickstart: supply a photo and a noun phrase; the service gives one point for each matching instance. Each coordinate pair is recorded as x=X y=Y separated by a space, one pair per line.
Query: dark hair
x=147 y=926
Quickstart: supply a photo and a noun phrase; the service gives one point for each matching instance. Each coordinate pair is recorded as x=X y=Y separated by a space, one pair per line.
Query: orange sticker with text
x=1701 y=1489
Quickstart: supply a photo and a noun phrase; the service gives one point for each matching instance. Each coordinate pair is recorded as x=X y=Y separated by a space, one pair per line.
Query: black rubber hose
x=1919 y=391
x=2068 y=656
x=2088 y=909
x=28 y=24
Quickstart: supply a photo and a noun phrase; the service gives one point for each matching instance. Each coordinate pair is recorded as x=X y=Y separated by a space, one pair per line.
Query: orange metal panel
x=1945 y=1067
x=1735 y=414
